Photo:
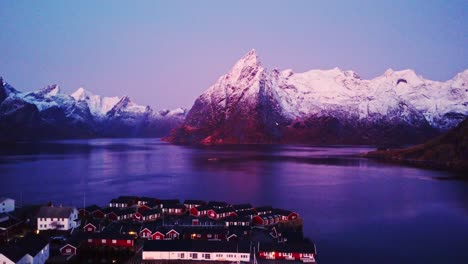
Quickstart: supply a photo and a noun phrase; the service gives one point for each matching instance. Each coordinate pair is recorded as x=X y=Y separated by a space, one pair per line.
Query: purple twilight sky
x=166 y=53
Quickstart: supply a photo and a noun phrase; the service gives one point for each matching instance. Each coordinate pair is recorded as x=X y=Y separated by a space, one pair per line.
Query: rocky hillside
x=448 y=151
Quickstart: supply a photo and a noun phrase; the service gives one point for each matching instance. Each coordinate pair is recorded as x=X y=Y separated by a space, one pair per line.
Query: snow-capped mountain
x=48 y=113
x=251 y=104
x=98 y=105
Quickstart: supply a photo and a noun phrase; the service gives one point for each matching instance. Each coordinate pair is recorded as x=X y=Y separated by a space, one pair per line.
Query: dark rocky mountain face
x=447 y=151
x=251 y=105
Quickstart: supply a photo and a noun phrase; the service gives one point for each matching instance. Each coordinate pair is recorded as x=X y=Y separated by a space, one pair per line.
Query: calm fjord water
x=356 y=210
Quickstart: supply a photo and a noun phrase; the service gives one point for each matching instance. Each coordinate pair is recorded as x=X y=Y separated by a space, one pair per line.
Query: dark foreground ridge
x=448 y=151
x=133 y=229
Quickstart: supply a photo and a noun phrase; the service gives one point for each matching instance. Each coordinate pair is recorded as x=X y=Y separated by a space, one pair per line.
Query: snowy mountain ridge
x=317 y=92
x=81 y=114
x=251 y=104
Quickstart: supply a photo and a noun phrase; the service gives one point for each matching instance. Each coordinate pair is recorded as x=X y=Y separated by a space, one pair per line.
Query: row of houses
x=158 y=231
x=149 y=209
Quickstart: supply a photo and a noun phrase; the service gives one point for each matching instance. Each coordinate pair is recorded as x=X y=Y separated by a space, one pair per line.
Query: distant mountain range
x=251 y=104
x=49 y=114
x=448 y=151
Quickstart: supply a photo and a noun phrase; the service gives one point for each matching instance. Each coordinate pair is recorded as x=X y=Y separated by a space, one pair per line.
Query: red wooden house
x=98 y=214
x=68 y=250
x=218 y=204
x=147 y=206
x=145 y=200
x=109 y=239
x=220 y=213
x=264 y=210
x=242 y=207
x=89 y=210
x=304 y=251
x=193 y=203
x=285 y=215
x=158 y=235
x=72 y=245
x=123 y=201
x=235 y=220
x=173 y=209
x=266 y=219
x=201 y=210
x=151 y=215
x=172 y=235
x=120 y=214
x=145 y=233
x=90 y=228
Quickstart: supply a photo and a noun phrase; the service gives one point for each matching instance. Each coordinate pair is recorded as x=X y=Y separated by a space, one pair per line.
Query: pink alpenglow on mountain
x=253 y=105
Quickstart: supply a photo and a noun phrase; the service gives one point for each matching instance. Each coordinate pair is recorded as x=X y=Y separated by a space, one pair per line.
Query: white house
x=30 y=249
x=7 y=205
x=60 y=218
x=232 y=251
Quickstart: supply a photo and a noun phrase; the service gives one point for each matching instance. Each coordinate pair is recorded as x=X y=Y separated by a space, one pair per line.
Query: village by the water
x=133 y=229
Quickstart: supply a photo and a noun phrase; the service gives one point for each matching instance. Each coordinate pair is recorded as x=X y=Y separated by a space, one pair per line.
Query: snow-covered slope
x=276 y=105
x=98 y=105
x=49 y=113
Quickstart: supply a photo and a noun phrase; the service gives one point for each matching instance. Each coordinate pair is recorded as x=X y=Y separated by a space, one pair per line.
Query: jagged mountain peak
x=248 y=64
x=49 y=90
x=81 y=94
x=250 y=99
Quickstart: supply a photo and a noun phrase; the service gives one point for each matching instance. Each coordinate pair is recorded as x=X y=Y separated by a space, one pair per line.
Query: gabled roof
x=218 y=203
x=30 y=244
x=150 y=212
x=125 y=211
x=248 y=212
x=95 y=222
x=224 y=210
x=120 y=201
x=4 y=199
x=204 y=207
x=109 y=210
x=92 y=208
x=263 y=208
x=10 y=221
x=242 y=206
x=281 y=212
x=146 y=199
x=168 y=201
x=129 y=198
x=174 y=206
x=151 y=204
x=55 y=212
x=199 y=202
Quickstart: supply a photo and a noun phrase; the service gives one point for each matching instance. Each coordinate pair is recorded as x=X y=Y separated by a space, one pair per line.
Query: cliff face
x=251 y=104
x=448 y=151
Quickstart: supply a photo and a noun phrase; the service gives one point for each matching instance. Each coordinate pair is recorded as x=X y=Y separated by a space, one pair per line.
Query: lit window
x=114 y=241
x=103 y=241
